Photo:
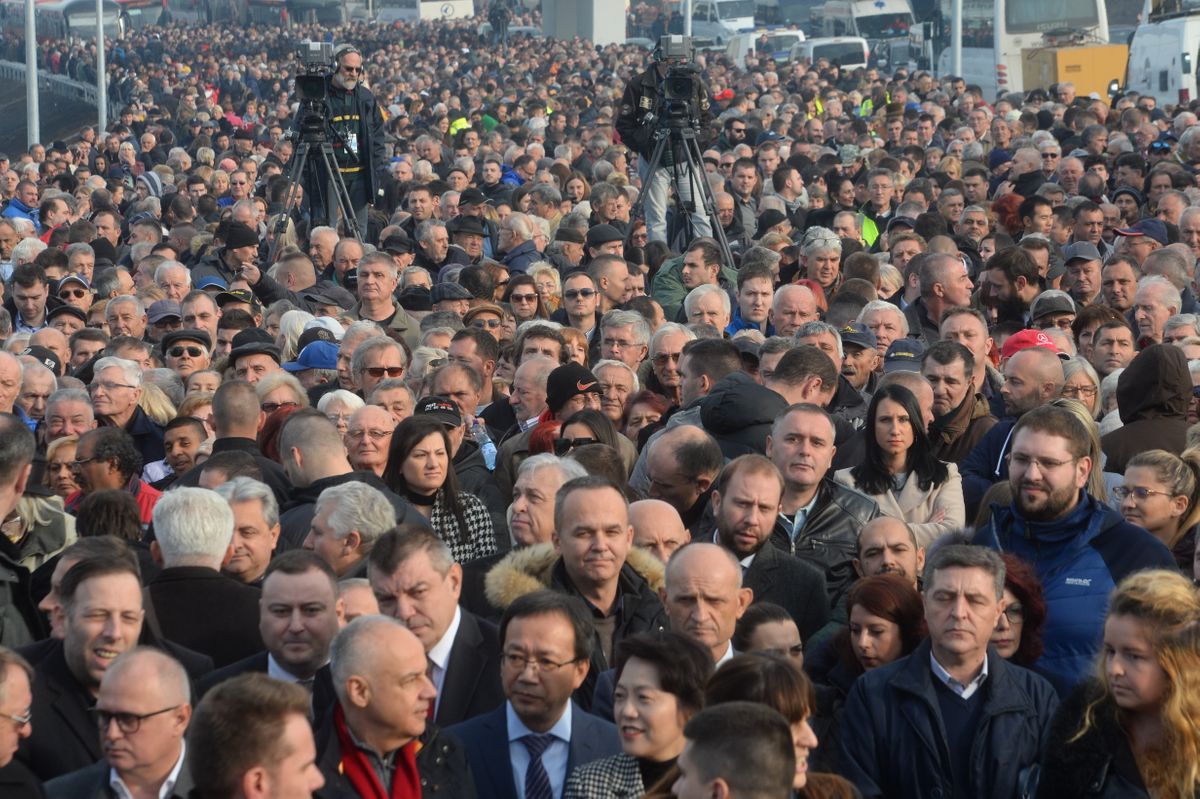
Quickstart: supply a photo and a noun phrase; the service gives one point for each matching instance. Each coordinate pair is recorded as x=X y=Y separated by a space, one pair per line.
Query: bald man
x=142 y=711
x=657 y=528
x=383 y=698
x=1032 y=377
x=887 y=545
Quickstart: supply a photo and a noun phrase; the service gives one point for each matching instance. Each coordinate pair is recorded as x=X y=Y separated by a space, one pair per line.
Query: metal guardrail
x=58 y=85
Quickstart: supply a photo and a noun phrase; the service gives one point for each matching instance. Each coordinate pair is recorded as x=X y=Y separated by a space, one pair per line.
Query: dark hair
x=516 y=281
x=766 y=679
x=486 y=346
x=757 y=615
x=888 y=596
x=407 y=435
x=1022 y=580
x=1099 y=315
x=600 y=425
x=28 y=275
x=715 y=358
x=544 y=603
x=301 y=561
x=187 y=421
x=110 y=512
x=1015 y=262
x=233 y=463
x=114 y=444
x=683 y=665
x=238 y=725
x=1059 y=422
x=99 y=566
x=17 y=447
x=746 y=744
x=871 y=476
x=945 y=353
x=604 y=461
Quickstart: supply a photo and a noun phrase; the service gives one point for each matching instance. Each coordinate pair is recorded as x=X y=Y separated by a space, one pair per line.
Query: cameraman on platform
x=641 y=119
x=357 y=125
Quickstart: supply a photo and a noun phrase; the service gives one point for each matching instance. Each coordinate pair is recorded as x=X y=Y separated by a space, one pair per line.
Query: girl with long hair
x=900 y=471
x=1132 y=730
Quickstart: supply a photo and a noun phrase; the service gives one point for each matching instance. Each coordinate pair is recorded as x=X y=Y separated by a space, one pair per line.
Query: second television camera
x=681 y=85
x=316 y=64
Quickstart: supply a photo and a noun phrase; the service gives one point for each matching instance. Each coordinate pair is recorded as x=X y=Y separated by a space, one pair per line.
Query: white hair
x=193 y=527
x=131 y=373
x=353 y=401
x=247 y=489
x=605 y=363
x=1167 y=293
x=27 y=250
x=357 y=507
x=700 y=292
x=884 y=305
x=166 y=266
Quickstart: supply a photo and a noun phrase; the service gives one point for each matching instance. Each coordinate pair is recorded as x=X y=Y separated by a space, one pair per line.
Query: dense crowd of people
x=889 y=490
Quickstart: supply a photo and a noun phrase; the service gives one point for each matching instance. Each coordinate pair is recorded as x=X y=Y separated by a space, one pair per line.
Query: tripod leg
x=653 y=199
x=292 y=200
x=338 y=189
x=706 y=200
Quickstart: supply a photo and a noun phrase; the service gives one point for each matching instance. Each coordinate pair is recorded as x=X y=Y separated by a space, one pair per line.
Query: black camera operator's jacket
x=371 y=150
x=640 y=99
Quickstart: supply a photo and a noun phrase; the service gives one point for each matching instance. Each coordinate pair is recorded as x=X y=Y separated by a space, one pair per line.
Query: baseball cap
x=329 y=294
x=1081 y=251
x=904 y=355
x=209 y=281
x=901 y=221
x=330 y=326
x=163 y=309
x=1154 y=228
x=317 y=355
x=859 y=335
x=441 y=409
x=46 y=357
x=70 y=310
x=1023 y=340
x=235 y=295
x=1051 y=301
x=72 y=278
x=568 y=381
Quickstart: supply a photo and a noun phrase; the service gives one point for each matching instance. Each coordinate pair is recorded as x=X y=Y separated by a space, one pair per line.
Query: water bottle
x=479 y=433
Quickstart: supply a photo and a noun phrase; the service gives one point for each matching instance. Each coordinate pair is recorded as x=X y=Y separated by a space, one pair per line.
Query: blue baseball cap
x=208 y=281
x=317 y=355
x=904 y=355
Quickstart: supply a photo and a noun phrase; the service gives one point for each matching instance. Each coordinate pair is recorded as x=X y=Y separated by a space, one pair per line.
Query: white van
x=848 y=52
x=1163 y=60
x=721 y=19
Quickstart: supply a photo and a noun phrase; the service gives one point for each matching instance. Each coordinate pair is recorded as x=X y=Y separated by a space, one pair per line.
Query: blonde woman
x=1131 y=731
x=548 y=284
x=1161 y=494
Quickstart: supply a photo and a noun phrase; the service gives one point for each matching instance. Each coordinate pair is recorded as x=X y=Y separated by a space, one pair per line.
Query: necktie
x=537 y=781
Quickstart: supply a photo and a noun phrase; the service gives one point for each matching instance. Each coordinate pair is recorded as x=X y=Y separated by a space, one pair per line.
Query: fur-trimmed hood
x=532 y=569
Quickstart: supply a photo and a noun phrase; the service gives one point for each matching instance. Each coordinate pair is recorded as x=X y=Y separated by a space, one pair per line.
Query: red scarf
x=406 y=784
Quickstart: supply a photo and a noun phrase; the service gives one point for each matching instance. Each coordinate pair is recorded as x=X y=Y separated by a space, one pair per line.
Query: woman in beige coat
x=900 y=471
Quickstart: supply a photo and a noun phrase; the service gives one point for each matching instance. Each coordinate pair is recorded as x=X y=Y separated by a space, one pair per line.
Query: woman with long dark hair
x=1018 y=633
x=900 y=471
x=523 y=296
x=419 y=468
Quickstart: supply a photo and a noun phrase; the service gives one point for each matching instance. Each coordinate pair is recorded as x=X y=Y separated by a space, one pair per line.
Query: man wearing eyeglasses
x=16 y=699
x=142 y=712
x=1079 y=547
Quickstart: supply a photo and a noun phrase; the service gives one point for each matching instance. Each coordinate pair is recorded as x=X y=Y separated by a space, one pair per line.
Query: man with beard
x=359 y=146
x=961 y=413
x=745 y=503
x=887 y=545
x=1032 y=377
x=1079 y=546
x=1010 y=284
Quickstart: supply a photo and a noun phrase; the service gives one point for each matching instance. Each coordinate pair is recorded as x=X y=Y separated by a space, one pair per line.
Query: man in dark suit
x=539 y=736
x=298 y=619
x=417 y=582
x=101 y=618
x=143 y=709
x=194 y=603
x=384 y=698
x=745 y=503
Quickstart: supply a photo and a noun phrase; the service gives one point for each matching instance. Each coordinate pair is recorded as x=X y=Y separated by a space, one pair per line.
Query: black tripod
x=315 y=170
x=687 y=171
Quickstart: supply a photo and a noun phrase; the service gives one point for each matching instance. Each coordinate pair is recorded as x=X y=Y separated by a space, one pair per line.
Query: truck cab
x=720 y=20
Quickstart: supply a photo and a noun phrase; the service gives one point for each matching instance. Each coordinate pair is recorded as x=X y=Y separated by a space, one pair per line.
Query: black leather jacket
x=829 y=539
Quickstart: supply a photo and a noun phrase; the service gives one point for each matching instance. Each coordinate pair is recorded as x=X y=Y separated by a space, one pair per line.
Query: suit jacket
x=92 y=783
x=17 y=782
x=208 y=612
x=323 y=696
x=471 y=685
x=65 y=737
x=916 y=506
x=486 y=740
x=796 y=586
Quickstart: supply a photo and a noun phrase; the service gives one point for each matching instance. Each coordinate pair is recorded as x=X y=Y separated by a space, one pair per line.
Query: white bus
x=389 y=11
x=994 y=34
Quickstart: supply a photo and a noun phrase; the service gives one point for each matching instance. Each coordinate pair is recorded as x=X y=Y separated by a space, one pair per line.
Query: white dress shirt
x=554 y=759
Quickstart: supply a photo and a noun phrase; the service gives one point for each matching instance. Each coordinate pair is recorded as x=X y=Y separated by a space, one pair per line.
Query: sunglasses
x=574 y=294
x=380 y=371
x=1160 y=147
x=271 y=407
x=490 y=324
x=352 y=70
x=564 y=445
x=523 y=297
x=192 y=352
x=77 y=294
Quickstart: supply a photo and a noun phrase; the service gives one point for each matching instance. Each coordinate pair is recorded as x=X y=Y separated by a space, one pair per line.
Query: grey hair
x=353 y=648
x=760 y=256
x=167 y=265
x=567 y=469
x=1170 y=295
x=820 y=239
x=69 y=395
x=247 y=489
x=631 y=319
x=424 y=231
x=607 y=362
x=78 y=248
x=666 y=328
x=963 y=556
x=1182 y=320
x=819 y=328
x=27 y=250
x=358 y=362
x=193 y=527
x=340 y=395
x=130 y=372
x=358 y=507
x=700 y=292
x=884 y=305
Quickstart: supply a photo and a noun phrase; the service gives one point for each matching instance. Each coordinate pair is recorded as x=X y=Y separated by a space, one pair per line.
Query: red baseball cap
x=1023 y=340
